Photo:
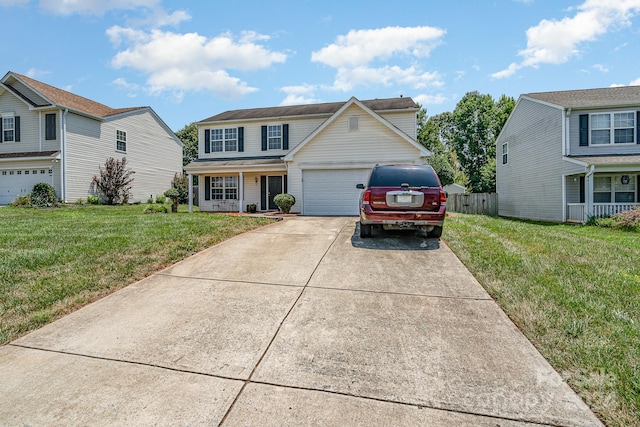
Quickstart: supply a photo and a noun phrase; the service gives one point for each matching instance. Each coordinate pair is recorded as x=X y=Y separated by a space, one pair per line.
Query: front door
x=274 y=187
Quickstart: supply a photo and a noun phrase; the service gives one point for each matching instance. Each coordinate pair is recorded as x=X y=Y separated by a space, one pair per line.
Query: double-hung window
x=613 y=128
x=217 y=188
x=121 y=141
x=8 y=129
x=230 y=187
x=223 y=187
x=224 y=140
x=614 y=189
x=274 y=137
x=505 y=152
x=50 y=127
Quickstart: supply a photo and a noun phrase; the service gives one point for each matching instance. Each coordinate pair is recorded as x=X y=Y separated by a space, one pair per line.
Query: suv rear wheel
x=365 y=230
x=436 y=232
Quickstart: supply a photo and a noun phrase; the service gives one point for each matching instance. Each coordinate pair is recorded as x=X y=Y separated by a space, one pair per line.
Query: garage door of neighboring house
x=14 y=182
x=332 y=191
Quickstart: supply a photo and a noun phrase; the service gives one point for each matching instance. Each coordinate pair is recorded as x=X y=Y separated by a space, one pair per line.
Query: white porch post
x=588 y=193
x=241 y=192
x=190 y=178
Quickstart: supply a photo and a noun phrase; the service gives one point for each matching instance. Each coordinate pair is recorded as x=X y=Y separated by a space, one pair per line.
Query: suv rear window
x=395 y=176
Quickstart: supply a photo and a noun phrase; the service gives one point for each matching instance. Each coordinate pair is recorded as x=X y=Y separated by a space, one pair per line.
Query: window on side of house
x=217 y=188
x=231 y=139
x=505 y=152
x=602 y=189
x=274 y=137
x=50 y=127
x=224 y=188
x=224 y=139
x=8 y=129
x=217 y=140
x=613 y=128
x=121 y=141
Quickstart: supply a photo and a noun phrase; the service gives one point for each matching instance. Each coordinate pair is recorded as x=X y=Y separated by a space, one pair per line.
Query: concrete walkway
x=297 y=323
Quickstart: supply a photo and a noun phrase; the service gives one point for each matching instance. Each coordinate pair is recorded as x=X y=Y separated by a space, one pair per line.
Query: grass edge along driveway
x=53 y=261
x=574 y=291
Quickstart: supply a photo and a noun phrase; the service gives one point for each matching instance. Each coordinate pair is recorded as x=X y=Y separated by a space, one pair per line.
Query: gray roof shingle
x=402 y=103
x=590 y=98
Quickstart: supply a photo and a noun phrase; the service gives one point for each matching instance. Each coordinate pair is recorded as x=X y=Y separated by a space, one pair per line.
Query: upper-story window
x=50 y=126
x=275 y=137
x=505 y=153
x=613 y=128
x=10 y=128
x=223 y=139
x=121 y=141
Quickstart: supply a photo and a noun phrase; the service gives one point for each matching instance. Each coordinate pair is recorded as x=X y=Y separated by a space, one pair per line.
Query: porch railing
x=576 y=211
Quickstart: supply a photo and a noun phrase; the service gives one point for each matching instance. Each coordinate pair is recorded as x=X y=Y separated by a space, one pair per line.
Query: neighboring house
x=455 y=188
x=570 y=155
x=316 y=152
x=53 y=136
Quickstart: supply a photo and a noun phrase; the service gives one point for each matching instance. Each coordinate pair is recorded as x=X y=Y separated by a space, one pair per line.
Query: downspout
x=566 y=143
x=190 y=178
x=241 y=191
x=63 y=155
x=40 y=130
x=588 y=192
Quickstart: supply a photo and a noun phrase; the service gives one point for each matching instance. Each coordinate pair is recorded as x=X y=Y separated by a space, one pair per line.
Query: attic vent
x=353 y=123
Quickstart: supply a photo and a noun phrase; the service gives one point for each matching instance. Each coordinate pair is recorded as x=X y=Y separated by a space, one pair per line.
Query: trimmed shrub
x=93 y=200
x=161 y=199
x=181 y=183
x=79 y=201
x=155 y=208
x=22 y=201
x=43 y=195
x=174 y=195
x=284 y=201
x=150 y=199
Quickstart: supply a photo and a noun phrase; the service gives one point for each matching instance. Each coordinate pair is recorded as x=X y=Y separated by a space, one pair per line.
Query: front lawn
x=574 y=292
x=53 y=261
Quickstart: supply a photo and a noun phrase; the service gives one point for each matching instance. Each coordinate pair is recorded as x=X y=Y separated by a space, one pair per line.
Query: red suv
x=402 y=197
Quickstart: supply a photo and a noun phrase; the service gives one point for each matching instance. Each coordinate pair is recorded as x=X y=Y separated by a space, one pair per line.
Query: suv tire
x=436 y=232
x=365 y=230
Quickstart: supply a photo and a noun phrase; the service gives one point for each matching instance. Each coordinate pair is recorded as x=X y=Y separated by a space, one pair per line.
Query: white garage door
x=19 y=182
x=332 y=192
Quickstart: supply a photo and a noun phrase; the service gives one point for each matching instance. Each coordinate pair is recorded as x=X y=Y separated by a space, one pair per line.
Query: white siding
x=595 y=150
x=152 y=153
x=32 y=136
x=530 y=184
x=404 y=121
x=335 y=147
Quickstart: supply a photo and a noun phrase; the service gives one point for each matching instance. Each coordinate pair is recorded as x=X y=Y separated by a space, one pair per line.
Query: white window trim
x=121 y=140
x=612 y=181
x=8 y=116
x=505 y=153
x=269 y=138
x=354 y=123
x=224 y=187
x=613 y=128
x=224 y=140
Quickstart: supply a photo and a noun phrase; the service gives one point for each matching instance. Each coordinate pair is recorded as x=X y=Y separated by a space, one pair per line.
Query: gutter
x=63 y=154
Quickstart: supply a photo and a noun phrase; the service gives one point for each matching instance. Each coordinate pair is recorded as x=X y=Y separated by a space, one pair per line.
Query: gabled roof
x=327 y=109
x=50 y=96
x=591 y=98
x=361 y=104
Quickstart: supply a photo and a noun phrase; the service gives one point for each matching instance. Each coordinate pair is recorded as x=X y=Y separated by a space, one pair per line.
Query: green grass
x=574 y=292
x=53 y=261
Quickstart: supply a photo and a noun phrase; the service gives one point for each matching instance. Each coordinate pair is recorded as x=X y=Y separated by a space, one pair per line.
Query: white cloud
x=94 y=7
x=361 y=57
x=35 y=73
x=635 y=82
x=195 y=62
x=600 y=67
x=425 y=100
x=300 y=94
x=557 y=41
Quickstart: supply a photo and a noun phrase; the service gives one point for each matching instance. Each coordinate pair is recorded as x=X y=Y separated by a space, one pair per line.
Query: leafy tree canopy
x=189 y=137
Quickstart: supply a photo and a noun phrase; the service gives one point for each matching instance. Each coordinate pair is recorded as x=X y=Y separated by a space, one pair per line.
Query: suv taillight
x=443 y=197
x=366 y=197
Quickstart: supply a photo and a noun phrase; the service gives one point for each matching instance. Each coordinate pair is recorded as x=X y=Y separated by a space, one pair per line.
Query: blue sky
x=189 y=60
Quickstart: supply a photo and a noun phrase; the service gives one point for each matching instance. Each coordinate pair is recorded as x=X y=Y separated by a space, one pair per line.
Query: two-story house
x=54 y=136
x=316 y=152
x=570 y=155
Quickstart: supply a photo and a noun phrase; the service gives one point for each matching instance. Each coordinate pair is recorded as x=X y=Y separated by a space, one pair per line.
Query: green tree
x=189 y=137
x=434 y=133
x=487 y=182
x=477 y=121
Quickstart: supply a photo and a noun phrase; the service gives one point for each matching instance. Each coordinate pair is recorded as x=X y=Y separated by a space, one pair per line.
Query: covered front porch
x=608 y=186
x=238 y=185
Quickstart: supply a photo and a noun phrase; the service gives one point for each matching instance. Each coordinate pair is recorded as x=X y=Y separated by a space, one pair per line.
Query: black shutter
x=285 y=137
x=17 y=129
x=637 y=127
x=240 y=139
x=584 y=130
x=1 y=132
x=50 y=127
x=207 y=188
x=264 y=139
x=285 y=181
x=207 y=141
x=582 y=198
x=263 y=193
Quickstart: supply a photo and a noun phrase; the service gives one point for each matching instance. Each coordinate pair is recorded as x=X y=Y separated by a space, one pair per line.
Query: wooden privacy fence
x=473 y=203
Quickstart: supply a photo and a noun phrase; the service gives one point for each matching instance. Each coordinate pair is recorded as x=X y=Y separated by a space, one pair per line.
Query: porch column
x=241 y=192
x=588 y=194
x=190 y=178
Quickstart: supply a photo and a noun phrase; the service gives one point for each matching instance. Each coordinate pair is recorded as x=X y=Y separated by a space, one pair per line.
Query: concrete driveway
x=297 y=323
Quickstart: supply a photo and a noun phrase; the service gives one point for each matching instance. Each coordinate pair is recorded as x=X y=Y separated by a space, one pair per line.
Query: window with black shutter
x=50 y=126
